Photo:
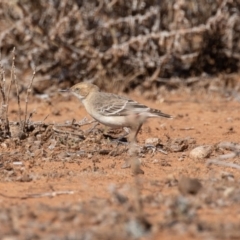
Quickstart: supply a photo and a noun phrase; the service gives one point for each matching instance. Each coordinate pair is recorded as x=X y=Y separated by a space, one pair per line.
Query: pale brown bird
x=113 y=110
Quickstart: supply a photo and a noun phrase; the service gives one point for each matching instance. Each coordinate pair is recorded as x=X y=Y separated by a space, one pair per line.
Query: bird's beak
x=65 y=90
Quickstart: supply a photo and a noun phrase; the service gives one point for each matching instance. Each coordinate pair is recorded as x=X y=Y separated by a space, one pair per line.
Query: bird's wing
x=120 y=106
x=114 y=105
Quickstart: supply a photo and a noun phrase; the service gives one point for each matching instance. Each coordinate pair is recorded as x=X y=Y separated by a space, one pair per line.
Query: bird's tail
x=158 y=113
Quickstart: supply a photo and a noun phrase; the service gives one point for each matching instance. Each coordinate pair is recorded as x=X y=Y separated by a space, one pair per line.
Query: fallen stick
x=226 y=164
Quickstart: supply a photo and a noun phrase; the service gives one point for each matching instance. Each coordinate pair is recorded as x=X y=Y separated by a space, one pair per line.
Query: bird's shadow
x=122 y=140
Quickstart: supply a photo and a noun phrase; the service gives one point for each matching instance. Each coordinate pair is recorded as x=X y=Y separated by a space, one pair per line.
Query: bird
x=113 y=110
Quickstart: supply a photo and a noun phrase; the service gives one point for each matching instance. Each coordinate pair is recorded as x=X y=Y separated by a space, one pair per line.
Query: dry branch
x=225 y=164
x=67 y=132
x=50 y=194
x=2 y=90
x=235 y=148
x=117 y=41
x=14 y=79
x=29 y=89
x=39 y=195
x=4 y=106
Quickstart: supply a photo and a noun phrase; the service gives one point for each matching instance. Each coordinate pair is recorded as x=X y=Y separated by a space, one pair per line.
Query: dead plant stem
x=29 y=89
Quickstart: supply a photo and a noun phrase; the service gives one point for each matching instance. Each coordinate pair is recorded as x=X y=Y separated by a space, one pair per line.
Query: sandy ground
x=91 y=196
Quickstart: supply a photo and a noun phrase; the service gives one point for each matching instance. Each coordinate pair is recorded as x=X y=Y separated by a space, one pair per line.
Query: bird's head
x=81 y=90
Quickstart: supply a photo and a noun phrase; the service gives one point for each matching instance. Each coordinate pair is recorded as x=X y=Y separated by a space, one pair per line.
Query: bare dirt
x=76 y=188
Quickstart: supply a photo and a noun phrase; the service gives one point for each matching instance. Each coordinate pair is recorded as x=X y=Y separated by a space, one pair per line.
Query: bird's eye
x=77 y=89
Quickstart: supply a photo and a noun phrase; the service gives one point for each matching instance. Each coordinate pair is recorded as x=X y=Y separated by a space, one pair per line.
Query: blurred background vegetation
x=120 y=43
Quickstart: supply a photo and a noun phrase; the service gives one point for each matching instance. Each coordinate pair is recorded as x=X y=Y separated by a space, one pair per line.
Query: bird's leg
x=134 y=132
x=135 y=122
x=133 y=150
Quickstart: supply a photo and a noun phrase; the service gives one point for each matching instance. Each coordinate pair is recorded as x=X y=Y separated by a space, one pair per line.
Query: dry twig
x=225 y=164
x=235 y=153
x=29 y=89
x=67 y=132
x=38 y=195
x=50 y=194
x=3 y=115
x=14 y=79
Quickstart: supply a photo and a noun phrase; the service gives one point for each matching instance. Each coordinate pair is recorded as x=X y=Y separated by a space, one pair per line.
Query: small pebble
x=201 y=152
x=152 y=141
